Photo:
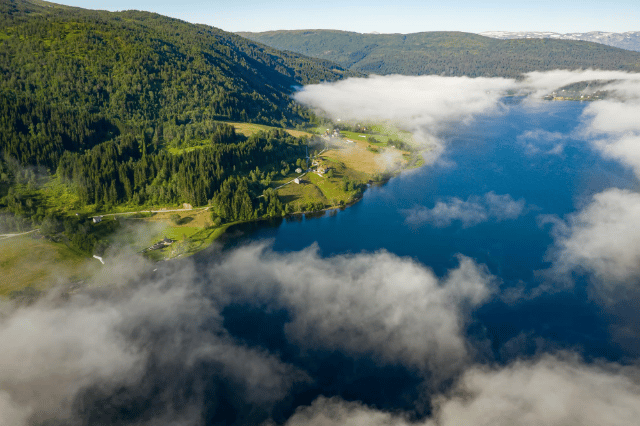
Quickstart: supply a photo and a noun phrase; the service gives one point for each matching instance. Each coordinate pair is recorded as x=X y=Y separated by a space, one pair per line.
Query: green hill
x=104 y=111
x=73 y=78
x=447 y=53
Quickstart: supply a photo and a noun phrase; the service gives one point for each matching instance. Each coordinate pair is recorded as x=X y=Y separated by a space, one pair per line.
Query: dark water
x=490 y=154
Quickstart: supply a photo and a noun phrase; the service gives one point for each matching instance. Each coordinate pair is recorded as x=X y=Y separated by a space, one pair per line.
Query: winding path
x=5 y=236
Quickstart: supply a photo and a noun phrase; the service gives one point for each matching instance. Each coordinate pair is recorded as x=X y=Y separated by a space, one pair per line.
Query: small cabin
x=97 y=219
x=296 y=180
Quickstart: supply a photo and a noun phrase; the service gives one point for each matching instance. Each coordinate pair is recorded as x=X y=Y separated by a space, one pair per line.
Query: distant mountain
x=73 y=78
x=447 y=53
x=629 y=40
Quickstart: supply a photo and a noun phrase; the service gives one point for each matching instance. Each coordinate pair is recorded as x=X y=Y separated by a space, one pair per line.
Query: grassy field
x=28 y=262
x=382 y=139
x=187 y=244
x=357 y=157
x=246 y=129
x=249 y=129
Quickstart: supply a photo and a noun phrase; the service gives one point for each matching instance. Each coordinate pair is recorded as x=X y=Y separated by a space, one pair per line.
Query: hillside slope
x=104 y=111
x=447 y=53
x=73 y=78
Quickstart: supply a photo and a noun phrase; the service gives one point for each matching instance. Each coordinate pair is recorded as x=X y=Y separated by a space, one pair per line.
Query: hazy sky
x=405 y=16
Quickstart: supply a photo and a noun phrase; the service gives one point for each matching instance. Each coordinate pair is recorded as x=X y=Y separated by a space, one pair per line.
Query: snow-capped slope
x=629 y=40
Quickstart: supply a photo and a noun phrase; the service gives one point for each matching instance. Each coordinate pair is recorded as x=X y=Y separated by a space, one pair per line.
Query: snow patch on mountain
x=629 y=40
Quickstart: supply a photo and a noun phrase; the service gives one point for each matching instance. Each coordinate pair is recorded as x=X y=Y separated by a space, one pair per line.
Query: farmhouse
x=160 y=244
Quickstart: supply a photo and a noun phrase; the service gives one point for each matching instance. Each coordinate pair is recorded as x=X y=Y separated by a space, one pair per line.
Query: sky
x=406 y=16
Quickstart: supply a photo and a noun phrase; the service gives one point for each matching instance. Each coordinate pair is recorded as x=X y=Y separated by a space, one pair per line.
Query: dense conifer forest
x=96 y=99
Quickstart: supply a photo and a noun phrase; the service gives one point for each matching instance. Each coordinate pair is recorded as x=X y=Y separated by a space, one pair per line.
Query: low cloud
x=542 y=142
x=428 y=105
x=367 y=304
x=611 y=125
x=550 y=391
x=614 y=129
x=414 y=101
x=155 y=340
x=602 y=242
x=471 y=212
x=158 y=339
x=422 y=105
x=540 y=83
x=602 y=238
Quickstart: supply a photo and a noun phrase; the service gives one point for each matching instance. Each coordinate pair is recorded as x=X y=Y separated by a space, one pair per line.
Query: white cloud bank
x=128 y=340
x=369 y=304
x=471 y=212
x=549 y=391
x=541 y=141
x=414 y=101
x=160 y=332
x=603 y=238
x=425 y=105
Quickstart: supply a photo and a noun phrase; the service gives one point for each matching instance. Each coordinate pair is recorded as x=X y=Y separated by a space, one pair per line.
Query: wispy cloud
x=551 y=391
x=426 y=105
x=542 y=141
x=603 y=237
x=602 y=242
x=367 y=304
x=130 y=340
x=423 y=105
x=471 y=212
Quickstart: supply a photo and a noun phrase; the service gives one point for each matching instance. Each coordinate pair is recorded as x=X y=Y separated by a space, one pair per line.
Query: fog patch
x=551 y=390
x=414 y=101
x=428 y=106
x=422 y=105
x=471 y=212
x=92 y=354
x=540 y=83
x=367 y=304
x=542 y=142
x=603 y=238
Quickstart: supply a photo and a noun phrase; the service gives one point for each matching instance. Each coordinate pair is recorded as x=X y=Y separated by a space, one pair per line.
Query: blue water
x=481 y=157
x=486 y=155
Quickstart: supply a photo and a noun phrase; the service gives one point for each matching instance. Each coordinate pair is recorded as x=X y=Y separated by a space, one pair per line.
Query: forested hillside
x=97 y=98
x=447 y=53
x=73 y=78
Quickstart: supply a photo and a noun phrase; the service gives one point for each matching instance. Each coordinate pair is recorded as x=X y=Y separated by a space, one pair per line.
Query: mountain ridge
x=629 y=40
x=447 y=52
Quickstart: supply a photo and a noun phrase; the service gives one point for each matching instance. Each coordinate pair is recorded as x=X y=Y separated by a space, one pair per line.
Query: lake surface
x=485 y=156
x=554 y=174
